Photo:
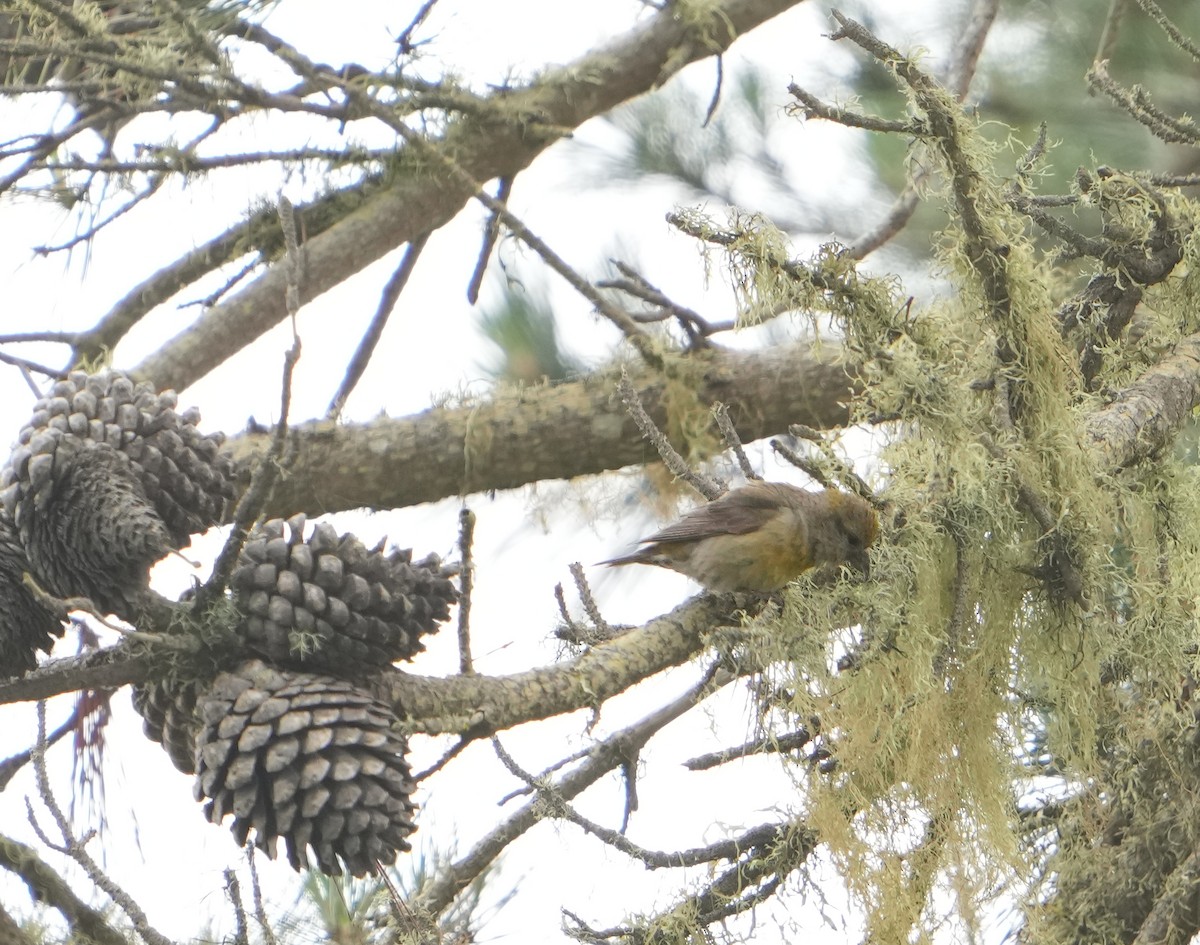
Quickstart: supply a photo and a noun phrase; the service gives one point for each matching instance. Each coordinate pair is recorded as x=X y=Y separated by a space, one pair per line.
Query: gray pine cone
x=97 y=534
x=168 y=711
x=106 y=478
x=182 y=471
x=330 y=603
x=26 y=626
x=307 y=758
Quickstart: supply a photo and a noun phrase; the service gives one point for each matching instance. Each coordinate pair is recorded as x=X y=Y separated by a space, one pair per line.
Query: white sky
x=525 y=539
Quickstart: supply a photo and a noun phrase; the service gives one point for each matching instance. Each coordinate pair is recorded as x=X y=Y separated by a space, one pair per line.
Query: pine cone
x=329 y=603
x=97 y=534
x=185 y=476
x=168 y=711
x=107 y=478
x=308 y=758
x=26 y=625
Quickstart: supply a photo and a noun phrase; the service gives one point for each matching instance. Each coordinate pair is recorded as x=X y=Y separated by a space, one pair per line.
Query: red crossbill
x=759 y=537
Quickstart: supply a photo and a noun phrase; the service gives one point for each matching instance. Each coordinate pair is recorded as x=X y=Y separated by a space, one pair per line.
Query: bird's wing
x=735 y=513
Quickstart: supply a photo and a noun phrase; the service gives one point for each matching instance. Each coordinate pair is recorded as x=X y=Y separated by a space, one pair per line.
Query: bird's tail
x=636 y=557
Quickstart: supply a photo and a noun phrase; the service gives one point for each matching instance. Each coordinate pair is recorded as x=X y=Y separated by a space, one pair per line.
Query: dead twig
x=370 y=339
x=466 y=582
x=678 y=467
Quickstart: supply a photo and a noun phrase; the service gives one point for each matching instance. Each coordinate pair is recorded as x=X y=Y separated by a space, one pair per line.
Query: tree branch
x=487 y=704
x=602 y=758
x=1176 y=913
x=1146 y=417
x=424 y=196
x=47 y=886
x=554 y=432
x=476 y=704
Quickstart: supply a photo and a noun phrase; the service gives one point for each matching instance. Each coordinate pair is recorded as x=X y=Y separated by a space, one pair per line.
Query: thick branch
x=426 y=196
x=578 y=428
x=105 y=669
x=490 y=703
x=1145 y=417
x=457 y=703
x=553 y=432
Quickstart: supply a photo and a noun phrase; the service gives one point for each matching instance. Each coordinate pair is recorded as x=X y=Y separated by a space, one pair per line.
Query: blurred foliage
x=523 y=329
x=345 y=911
x=1033 y=69
x=730 y=156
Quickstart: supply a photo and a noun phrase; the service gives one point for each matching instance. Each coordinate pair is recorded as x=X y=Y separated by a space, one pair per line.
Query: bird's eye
x=853 y=540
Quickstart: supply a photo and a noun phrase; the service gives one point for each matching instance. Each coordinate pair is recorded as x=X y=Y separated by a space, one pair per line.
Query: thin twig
x=260 y=909
x=75 y=848
x=1079 y=244
x=27 y=365
x=51 y=337
x=453 y=752
x=771 y=744
x=626 y=325
x=694 y=326
x=491 y=233
x=405 y=41
x=958 y=78
x=233 y=889
x=370 y=340
x=1174 y=33
x=707 y=487
x=629 y=776
x=466 y=581
x=1111 y=31
x=561 y=599
x=536 y=783
x=896 y=219
x=545 y=775
x=843 y=471
x=732 y=441
x=986 y=253
x=973 y=35
x=803 y=463
x=152 y=187
x=267 y=470
x=14 y=763
x=570 y=631
x=751 y=880
x=1137 y=102
x=235 y=278
x=716 y=96
x=812 y=107
x=1032 y=156
x=62 y=607
x=630 y=329
x=741 y=846
x=600 y=758
x=590 y=607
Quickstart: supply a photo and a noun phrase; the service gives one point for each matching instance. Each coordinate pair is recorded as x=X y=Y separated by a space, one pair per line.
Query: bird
x=760 y=536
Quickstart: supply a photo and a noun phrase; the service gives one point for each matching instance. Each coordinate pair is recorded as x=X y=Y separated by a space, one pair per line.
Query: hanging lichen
x=1023 y=599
